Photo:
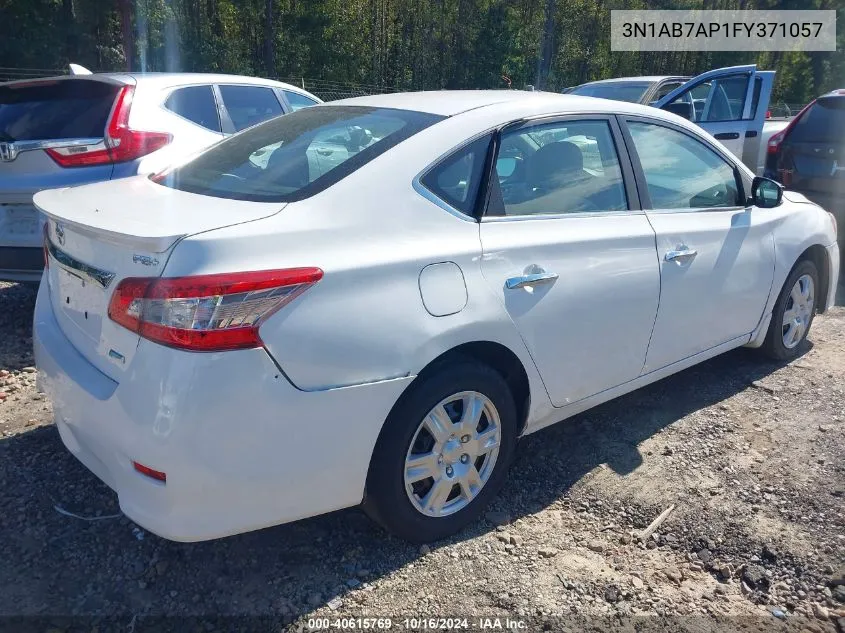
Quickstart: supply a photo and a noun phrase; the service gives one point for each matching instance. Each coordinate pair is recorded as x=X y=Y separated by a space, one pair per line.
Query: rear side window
x=298 y=101
x=819 y=122
x=457 y=178
x=62 y=109
x=195 y=103
x=249 y=105
x=296 y=156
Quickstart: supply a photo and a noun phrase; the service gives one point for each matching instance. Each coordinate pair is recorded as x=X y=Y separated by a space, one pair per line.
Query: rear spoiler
x=115 y=80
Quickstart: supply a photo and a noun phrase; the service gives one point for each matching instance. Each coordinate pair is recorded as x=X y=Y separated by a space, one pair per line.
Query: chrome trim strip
x=426 y=193
x=79 y=269
x=560 y=216
x=28 y=146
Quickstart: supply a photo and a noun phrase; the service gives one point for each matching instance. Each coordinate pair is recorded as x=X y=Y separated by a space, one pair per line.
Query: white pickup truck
x=730 y=103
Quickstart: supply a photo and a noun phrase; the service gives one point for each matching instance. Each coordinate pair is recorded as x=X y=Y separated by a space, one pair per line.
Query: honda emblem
x=8 y=152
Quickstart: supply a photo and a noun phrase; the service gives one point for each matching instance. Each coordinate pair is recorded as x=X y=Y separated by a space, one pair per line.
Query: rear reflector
x=207 y=313
x=121 y=143
x=149 y=472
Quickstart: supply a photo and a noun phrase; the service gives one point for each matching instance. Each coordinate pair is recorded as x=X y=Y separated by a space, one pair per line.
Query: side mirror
x=766 y=193
x=681 y=108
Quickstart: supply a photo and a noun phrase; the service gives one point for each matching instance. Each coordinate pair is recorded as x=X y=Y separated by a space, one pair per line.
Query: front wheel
x=793 y=313
x=443 y=454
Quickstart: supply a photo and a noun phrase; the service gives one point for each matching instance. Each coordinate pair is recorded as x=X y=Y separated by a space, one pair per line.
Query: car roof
x=651 y=79
x=453 y=102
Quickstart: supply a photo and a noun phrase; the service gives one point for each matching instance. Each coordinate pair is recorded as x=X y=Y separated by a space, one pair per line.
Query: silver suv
x=75 y=129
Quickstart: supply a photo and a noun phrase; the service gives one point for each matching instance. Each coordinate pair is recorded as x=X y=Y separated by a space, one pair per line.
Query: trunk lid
x=102 y=233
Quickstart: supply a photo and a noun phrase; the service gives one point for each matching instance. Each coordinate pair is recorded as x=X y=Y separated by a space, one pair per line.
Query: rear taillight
x=121 y=143
x=207 y=313
x=774 y=142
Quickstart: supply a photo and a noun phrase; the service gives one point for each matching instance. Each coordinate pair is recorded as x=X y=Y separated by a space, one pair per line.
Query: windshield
x=818 y=123
x=297 y=155
x=616 y=90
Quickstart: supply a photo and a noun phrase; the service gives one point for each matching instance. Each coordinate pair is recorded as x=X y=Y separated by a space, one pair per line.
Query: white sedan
x=370 y=301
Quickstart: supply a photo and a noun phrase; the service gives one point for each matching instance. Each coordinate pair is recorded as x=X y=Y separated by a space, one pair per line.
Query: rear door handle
x=727 y=136
x=530 y=280
x=681 y=255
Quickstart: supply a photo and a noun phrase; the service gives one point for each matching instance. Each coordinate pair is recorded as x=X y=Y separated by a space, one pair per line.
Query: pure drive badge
x=146 y=260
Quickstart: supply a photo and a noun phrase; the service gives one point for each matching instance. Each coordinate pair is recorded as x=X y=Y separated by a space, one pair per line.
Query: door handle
x=530 y=280
x=681 y=255
x=727 y=136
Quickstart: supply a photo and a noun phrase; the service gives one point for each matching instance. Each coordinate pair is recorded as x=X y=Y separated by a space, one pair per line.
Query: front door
x=716 y=253
x=570 y=254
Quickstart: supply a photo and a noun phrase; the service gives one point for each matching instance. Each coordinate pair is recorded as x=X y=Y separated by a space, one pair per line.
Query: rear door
x=730 y=103
x=34 y=117
x=812 y=156
x=569 y=253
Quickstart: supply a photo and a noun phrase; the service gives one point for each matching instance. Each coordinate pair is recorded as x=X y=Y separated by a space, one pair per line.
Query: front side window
x=682 y=172
x=563 y=167
x=721 y=99
x=249 y=105
x=298 y=155
x=195 y=103
x=298 y=101
x=666 y=88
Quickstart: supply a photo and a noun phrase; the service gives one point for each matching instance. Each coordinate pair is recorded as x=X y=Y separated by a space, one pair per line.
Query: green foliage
x=397 y=44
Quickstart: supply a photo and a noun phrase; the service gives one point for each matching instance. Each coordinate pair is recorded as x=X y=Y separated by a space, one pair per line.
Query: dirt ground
x=751 y=455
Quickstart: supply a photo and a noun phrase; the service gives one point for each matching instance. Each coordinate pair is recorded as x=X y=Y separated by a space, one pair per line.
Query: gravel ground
x=749 y=453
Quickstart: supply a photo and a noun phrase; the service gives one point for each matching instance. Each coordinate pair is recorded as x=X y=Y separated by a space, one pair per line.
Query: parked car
x=809 y=155
x=237 y=343
x=730 y=103
x=75 y=129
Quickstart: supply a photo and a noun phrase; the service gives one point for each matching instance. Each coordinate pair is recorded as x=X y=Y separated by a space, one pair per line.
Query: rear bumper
x=21 y=263
x=242 y=448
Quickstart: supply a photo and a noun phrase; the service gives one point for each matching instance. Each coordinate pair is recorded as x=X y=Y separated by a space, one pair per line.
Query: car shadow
x=58 y=564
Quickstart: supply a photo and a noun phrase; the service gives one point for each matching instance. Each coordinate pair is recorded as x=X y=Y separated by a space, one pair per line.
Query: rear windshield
x=297 y=155
x=75 y=108
x=819 y=122
x=618 y=91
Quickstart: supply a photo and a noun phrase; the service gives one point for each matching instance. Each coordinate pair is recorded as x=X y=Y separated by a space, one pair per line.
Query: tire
x=774 y=346
x=388 y=501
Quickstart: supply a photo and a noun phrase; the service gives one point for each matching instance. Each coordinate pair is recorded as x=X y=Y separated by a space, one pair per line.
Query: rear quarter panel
x=371 y=234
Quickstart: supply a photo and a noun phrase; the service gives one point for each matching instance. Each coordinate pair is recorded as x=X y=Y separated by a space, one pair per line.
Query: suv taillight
x=207 y=313
x=121 y=143
x=775 y=141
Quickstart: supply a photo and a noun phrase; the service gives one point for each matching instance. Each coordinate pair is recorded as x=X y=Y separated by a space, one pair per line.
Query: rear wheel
x=443 y=454
x=793 y=313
